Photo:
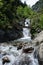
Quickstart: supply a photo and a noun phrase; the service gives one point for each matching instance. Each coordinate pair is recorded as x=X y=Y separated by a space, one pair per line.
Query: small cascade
x=26 y=32
x=10 y=55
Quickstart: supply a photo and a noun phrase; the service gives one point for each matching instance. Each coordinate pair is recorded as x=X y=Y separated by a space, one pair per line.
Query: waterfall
x=26 y=31
x=18 y=57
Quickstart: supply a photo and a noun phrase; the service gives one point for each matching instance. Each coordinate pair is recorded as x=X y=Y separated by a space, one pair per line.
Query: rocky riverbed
x=11 y=55
x=8 y=54
x=23 y=53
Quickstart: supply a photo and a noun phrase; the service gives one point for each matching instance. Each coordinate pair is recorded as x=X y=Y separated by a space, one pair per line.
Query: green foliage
x=8 y=12
x=24 y=12
x=27 y=11
x=37 y=23
x=12 y=11
x=41 y=21
x=20 y=11
x=37 y=18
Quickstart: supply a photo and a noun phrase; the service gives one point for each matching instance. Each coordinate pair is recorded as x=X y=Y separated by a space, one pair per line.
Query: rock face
x=10 y=34
x=39 y=38
x=5 y=60
x=38 y=6
x=38 y=41
x=41 y=52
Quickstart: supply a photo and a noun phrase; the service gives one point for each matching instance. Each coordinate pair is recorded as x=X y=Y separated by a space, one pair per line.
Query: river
x=9 y=55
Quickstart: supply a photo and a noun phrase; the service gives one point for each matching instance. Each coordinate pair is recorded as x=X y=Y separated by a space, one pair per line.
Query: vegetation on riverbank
x=13 y=11
x=37 y=20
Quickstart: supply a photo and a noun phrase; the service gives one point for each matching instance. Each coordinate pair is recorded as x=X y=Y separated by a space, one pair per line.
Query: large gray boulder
x=40 y=50
x=38 y=39
x=38 y=42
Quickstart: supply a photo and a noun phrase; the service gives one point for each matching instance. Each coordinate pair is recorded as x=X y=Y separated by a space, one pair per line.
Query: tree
x=8 y=12
x=24 y=12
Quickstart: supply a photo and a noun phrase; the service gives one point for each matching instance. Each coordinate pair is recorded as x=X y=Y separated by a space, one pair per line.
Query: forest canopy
x=12 y=11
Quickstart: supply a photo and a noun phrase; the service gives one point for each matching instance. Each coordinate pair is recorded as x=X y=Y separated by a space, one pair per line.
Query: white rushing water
x=16 y=57
x=9 y=51
x=26 y=32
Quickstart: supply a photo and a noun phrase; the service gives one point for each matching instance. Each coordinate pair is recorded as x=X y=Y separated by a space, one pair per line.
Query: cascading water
x=17 y=57
x=26 y=32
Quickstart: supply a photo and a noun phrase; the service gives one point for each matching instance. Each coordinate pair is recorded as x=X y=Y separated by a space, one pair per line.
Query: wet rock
x=14 y=44
x=10 y=34
x=10 y=48
x=5 y=60
x=19 y=46
x=28 y=49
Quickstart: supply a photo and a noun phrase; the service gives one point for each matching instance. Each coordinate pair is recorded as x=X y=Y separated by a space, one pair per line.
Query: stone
x=40 y=50
x=28 y=49
x=38 y=39
x=40 y=54
x=19 y=46
x=10 y=34
x=5 y=60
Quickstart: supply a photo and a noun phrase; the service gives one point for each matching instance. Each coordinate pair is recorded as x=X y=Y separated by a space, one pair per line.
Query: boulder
x=38 y=42
x=28 y=49
x=5 y=60
x=40 y=50
x=40 y=54
x=38 y=39
x=19 y=46
x=10 y=34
